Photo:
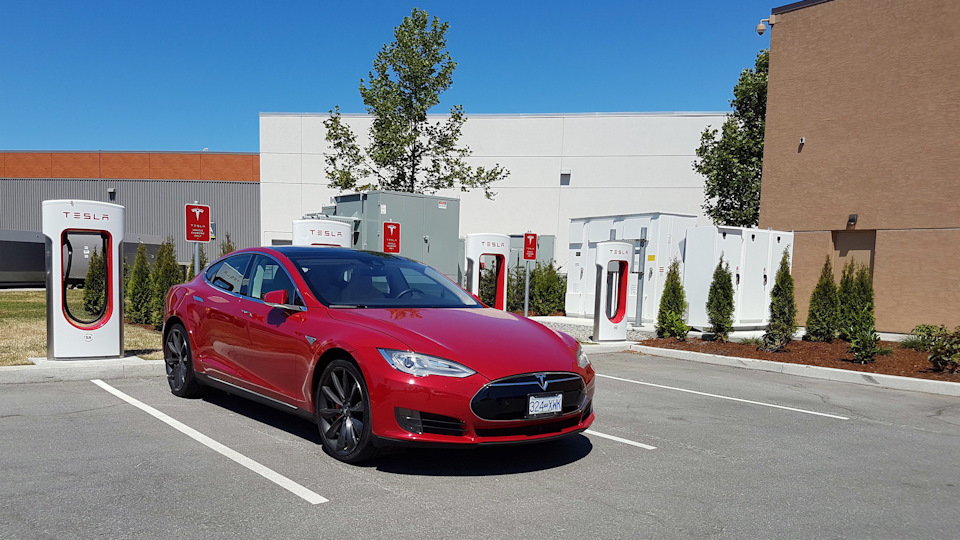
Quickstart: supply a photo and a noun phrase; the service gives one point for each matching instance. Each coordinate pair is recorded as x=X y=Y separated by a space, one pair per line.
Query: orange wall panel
x=27 y=165
x=175 y=166
x=75 y=165
x=124 y=165
x=228 y=167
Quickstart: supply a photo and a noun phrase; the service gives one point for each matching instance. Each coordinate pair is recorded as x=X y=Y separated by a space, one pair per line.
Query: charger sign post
x=391 y=237
x=529 y=254
x=197 y=223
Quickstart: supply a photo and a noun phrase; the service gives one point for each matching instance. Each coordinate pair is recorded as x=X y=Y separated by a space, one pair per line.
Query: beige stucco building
x=863 y=119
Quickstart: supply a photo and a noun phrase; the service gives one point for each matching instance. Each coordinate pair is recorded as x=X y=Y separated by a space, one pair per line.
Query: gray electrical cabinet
x=429 y=225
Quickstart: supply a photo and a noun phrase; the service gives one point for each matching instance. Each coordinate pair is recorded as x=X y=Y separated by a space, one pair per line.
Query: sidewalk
x=45 y=370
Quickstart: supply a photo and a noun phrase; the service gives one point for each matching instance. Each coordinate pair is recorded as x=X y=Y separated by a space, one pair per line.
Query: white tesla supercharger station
x=476 y=246
x=322 y=232
x=610 y=306
x=70 y=227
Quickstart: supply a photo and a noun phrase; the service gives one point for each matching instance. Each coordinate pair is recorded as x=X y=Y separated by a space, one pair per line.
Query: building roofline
x=797 y=5
x=526 y=115
x=124 y=152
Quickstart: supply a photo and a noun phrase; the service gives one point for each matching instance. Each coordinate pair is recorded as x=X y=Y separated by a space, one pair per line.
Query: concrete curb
x=78 y=370
x=894 y=382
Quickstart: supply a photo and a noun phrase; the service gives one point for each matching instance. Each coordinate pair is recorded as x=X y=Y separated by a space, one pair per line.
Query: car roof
x=331 y=252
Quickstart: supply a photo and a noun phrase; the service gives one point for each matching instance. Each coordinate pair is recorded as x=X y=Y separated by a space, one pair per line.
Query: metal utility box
x=427 y=227
x=754 y=256
x=657 y=237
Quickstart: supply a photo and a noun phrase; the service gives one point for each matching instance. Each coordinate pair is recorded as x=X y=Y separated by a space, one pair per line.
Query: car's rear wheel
x=343 y=412
x=179 y=363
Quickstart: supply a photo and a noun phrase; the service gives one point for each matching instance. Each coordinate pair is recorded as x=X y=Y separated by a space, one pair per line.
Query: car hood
x=491 y=342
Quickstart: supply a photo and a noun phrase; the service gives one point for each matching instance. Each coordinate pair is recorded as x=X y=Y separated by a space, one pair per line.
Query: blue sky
x=182 y=76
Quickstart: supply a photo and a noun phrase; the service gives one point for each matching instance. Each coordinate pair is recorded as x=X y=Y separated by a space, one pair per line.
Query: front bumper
x=442 y=407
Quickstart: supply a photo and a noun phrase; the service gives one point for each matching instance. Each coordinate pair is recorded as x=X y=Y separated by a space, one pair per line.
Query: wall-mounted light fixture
x=852 y=220
x=112 y=193
x=564 y=177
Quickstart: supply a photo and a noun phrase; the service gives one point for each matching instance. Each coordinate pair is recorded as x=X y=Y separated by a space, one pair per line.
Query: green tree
x=673 y=306
x=139 y=290
x=848 y=297
x=733 y=163
x=95 y=285
x=406 y=151
x=203 y=263
x=823 y=318
x=864 y=341
x=720 y=302
x=783 y=309
x=227 y=245
x=547 y=289
x=166 y=274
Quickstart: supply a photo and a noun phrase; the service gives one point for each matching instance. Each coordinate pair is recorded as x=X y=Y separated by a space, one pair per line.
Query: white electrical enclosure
x=73 y=230
x=753 y=255
x=476 y=246
x=611 y=275
x=322 y=232
x=656 y=237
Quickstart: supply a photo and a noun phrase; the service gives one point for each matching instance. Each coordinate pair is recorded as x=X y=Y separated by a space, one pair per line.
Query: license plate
x=544 y=404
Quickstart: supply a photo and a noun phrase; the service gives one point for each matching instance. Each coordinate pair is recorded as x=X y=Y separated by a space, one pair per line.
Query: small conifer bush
x=783 y=309
x=673 y=306
x=847 y=298
x=191 y=272
x=94 y=285
x=864 y=341
x=166 y=274
x=139 y=290
x=824 y=315
x=720 y=302
x=227 y=245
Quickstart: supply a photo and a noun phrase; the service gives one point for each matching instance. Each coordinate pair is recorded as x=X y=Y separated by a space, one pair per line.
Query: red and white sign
x=530 y=247
x=198 y=223
x=391 y=237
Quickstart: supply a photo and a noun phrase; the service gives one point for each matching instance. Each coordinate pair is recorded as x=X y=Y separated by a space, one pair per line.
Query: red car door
x=217 y=326
x=276 y=349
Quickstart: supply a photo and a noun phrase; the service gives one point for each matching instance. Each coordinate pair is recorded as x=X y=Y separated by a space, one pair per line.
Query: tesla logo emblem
x=197 y=212
x=391 y=228
x=542 y=377
x=531 y=239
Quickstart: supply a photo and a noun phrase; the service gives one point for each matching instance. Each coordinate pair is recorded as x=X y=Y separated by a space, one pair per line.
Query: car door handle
x=245 y=312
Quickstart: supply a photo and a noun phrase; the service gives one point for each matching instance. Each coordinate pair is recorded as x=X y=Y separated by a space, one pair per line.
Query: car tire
x=178 y=360
x=342 y=407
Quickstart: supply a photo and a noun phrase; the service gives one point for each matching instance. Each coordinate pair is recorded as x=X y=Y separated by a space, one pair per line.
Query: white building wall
x=619 y=163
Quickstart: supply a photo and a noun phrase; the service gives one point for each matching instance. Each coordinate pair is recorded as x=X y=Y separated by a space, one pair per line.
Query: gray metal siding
x=154 y=208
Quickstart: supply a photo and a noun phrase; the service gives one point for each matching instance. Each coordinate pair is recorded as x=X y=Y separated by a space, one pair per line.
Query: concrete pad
x=45 y=370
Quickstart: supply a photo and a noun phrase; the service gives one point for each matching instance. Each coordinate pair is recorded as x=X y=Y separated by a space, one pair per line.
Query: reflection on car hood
x=492 y=342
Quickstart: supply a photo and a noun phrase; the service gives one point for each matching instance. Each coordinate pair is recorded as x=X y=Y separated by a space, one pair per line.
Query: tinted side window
x=267 y=275
x=228 y=273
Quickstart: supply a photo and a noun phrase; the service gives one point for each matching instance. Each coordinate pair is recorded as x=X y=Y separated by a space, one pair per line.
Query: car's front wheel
x=343 y=412
x=179 y=363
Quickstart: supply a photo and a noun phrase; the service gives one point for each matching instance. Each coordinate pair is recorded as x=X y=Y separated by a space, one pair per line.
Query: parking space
x=679 y=450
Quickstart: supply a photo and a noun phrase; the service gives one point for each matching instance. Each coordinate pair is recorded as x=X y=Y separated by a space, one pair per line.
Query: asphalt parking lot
x=786 y=457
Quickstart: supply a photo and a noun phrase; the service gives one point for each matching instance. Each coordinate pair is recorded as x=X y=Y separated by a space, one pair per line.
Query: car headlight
x=582 y=359
x=422 y=365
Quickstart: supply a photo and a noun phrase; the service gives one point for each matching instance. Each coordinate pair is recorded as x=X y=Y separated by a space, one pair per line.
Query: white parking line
x=725 y=397
x=265 y=472
x=618 y=439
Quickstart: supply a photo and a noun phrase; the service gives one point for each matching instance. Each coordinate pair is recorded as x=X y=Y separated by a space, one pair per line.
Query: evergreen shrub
x=720 y=302
x=140 y=290
x=783 y=309
x=673 y=306
x=824 y=315
x=166 y=274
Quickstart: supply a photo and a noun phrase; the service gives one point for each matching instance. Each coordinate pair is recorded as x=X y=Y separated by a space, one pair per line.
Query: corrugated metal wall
x=153 y=207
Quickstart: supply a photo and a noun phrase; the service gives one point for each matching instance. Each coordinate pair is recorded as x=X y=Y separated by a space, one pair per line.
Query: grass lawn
x=23 y=329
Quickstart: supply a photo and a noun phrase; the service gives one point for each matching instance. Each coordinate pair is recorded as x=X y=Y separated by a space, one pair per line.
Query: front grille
x=442 y=425
x=506 y=399
x=530 y=430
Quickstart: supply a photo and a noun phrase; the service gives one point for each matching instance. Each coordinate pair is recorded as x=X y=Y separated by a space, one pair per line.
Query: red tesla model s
x=377 y=349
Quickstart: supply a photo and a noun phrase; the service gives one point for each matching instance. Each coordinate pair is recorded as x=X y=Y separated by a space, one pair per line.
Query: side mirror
x=276 y=297
x=280 y=299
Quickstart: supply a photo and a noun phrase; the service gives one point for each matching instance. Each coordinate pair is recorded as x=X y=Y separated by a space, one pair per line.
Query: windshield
x=374 y=280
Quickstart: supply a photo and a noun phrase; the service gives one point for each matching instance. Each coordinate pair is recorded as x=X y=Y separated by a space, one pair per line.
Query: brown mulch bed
x=901 y=361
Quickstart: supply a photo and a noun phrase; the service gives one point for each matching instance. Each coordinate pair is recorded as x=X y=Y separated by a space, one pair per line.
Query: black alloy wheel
x=179 y=363
x=343 y=412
